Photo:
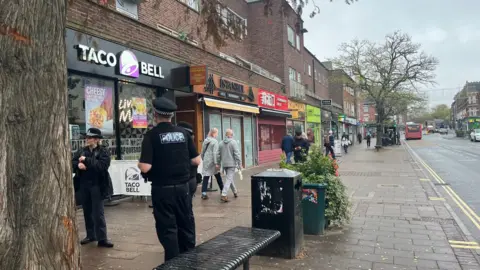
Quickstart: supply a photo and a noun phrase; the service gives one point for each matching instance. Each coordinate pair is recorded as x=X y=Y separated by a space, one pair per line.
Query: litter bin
x=277 y=205
x=313 y=202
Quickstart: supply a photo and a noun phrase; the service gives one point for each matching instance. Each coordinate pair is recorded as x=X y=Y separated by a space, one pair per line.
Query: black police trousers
x=92 y=204
x=174 y=223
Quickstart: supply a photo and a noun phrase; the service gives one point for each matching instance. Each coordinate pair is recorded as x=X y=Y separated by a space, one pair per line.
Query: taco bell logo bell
x=128 y=64
x=125 y=62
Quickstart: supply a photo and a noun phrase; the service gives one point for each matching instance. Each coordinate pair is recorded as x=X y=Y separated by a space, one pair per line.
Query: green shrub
x=319 y=169
x=460 y=133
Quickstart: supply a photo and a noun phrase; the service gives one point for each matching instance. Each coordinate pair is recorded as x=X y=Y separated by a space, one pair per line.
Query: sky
x=446 y=29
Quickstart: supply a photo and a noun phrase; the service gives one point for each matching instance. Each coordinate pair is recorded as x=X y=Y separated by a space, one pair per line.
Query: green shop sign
x=313 y=114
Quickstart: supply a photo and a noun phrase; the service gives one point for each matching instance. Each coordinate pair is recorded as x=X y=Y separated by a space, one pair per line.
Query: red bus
x=413 y=131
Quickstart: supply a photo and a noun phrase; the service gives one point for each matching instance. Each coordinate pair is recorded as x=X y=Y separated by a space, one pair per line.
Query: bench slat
x=226 y=251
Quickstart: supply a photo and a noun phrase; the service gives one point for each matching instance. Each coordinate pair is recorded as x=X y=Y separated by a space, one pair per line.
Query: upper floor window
x=365 y=108
x=298 y=42
x=291 y=36
x=309 y=70
x=299 y=77
x=474 y=99
x=292 y=74
x=232 y=20
x=193 y=4
x=469 y=100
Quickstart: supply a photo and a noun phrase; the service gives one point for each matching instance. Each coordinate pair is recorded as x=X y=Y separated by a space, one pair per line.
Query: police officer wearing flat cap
x=90 y=165
x=168 y=152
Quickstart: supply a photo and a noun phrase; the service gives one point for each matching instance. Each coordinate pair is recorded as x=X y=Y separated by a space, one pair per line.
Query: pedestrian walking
x=359 y=138
x=300 y=147
x=310 y=136
x=230 y=160
x=167 y=154
x=331 y=140
x=90 y=165
x=369 y=138
x=345 y=143
x=287 y=147
x=328 y=147
x=211 y=165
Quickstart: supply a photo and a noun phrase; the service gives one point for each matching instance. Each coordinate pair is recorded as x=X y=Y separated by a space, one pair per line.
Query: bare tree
x=388 y=73
x=37 y=210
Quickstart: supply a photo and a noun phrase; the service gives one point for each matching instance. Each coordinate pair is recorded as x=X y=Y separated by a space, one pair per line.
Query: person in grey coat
x=230 y=159
x=211 y=165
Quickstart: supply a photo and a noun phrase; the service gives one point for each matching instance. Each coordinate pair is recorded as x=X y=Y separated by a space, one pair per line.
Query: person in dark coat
x=193 y=182
x=287 y=147
x=300 y=147
x=331 y=140
x=167 y=154
x=90 y=165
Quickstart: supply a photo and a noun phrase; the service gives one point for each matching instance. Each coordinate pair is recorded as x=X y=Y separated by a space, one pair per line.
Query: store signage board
x=297 y=110
x=89 y=54
x=272 y=100
x=313 y=114
x=198 y=75
x=327 y=102
x=227 y=89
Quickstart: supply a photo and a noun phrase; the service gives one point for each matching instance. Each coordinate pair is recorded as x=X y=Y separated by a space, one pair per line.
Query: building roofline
x=314 y=57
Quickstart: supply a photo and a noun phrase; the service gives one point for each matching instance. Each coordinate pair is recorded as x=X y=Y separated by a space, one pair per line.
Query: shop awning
x=230 y=105
x=276 y=113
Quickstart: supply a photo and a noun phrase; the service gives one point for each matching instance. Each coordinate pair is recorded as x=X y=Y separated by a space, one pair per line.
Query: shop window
x=277 y=134
x=265 y=139
x=135 y=117
x=90 y=104
x=271 y=136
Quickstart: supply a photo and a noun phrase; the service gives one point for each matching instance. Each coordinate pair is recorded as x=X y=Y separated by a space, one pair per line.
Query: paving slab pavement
x=396 y=223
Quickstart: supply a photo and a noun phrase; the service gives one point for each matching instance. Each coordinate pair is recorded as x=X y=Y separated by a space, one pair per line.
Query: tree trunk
x=37 y=211
x=379 y=127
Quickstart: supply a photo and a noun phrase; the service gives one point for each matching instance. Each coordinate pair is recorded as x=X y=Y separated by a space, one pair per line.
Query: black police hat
x=164 y=106
x=186 y=126
x=94 y=133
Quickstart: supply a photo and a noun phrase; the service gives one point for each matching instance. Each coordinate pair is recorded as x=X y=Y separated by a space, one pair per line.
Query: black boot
x=87 y=240
x=105 y=243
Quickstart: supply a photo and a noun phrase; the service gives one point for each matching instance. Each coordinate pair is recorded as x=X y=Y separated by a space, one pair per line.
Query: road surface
x=456 y=162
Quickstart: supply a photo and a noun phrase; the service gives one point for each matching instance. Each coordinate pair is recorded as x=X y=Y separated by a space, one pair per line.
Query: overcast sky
x=449 y=30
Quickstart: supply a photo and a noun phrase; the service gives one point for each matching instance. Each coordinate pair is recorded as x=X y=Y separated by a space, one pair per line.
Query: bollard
x=277 y=205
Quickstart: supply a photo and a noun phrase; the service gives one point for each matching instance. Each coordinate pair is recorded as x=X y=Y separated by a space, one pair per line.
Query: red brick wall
x=113 y=26
x=266 y=35
x=321 y=81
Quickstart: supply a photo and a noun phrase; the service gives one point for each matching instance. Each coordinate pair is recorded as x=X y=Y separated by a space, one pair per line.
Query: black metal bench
x=226 y=251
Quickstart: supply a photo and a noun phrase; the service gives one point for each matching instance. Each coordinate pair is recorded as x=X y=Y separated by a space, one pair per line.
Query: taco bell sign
x=125 y=62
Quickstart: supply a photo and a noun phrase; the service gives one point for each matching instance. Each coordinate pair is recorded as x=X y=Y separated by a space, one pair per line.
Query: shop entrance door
x=248 y=140
x=234 y=123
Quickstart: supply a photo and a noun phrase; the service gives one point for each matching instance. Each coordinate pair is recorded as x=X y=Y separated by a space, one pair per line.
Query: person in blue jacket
x=287 y=147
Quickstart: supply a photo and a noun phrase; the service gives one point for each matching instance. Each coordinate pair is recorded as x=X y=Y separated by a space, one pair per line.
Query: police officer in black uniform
x=168 y=152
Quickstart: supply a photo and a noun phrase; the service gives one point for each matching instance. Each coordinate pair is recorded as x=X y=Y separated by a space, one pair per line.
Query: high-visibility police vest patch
x=172 y=137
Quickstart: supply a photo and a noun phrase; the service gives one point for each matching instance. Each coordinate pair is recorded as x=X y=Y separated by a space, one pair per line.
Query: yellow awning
x=230 y=106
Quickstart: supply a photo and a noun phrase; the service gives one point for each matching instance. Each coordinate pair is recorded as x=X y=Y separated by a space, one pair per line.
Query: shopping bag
x=240 y=174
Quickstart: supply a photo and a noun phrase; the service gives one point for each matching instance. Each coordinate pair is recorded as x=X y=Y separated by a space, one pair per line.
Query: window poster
x=99 y=108
x=139 y=112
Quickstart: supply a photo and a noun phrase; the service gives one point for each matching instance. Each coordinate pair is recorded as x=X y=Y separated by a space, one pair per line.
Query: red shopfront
x=271 y=125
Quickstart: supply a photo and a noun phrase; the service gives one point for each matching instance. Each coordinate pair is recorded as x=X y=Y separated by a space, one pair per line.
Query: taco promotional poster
x=99 y=108
x=139 y=112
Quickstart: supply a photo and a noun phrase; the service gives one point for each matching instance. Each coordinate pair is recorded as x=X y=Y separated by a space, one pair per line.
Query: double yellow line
x=464 y=244
x=461 y=204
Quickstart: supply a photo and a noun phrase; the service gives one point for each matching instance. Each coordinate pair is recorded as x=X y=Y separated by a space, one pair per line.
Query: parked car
x=443 y=131
x=475 y=135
